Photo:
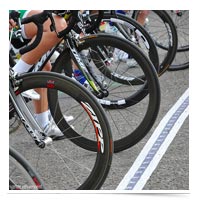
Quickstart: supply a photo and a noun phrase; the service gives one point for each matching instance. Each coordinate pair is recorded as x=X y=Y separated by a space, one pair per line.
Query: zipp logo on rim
x=98 y=130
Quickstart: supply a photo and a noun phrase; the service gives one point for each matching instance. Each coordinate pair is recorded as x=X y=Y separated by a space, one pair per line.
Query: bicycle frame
x=25 y=115
x=69 y=41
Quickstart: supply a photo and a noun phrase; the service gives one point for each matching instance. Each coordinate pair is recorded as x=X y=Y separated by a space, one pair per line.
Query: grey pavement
x=172 y=172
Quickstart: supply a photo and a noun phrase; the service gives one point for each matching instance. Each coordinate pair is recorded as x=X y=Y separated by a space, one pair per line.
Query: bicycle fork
x=85 y=68
x=28 y=120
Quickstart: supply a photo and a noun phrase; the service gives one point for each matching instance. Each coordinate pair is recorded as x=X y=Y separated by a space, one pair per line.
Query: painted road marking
x=155 y=148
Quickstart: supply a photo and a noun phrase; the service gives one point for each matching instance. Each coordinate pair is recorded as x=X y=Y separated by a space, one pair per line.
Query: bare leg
x=42 y=104
x=48 y=41
x=142 y=16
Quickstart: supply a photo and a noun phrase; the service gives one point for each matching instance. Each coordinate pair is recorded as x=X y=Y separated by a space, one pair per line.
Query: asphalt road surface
x=172 y=173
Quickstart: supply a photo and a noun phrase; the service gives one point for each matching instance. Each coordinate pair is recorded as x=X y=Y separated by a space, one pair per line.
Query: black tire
x=81 y=169
x=181 y=21
x=20 y=169
x=166 y=40
x=181 y=61
x=146 y=97
x=131 y=28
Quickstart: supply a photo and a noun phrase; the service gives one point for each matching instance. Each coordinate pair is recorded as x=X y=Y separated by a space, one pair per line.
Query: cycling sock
x=21 y=67
x=42 y=118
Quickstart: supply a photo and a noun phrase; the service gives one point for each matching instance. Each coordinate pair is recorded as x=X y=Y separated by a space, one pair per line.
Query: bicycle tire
x=169 y=34
x=179 y=67
x=97 y=164
x=150 y=88
x=181 y=61
x=181 y=21
x=14 y=124
x=31 y=175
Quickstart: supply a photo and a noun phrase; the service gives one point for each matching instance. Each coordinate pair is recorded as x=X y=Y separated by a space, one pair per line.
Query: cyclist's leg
x=142 y=16
x=49 y=38
x=48 y=41
x=41 y=106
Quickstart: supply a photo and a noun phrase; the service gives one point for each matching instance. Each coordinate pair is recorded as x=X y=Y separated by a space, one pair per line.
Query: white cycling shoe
x=131 y=63
x=52 y=130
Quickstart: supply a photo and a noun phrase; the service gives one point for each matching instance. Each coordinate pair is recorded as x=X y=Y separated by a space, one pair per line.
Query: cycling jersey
x=22 y=12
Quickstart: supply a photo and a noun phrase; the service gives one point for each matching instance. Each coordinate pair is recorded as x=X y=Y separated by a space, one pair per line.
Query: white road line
x=155 y=148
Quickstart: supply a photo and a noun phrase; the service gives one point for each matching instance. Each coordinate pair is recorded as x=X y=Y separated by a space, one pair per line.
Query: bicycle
x=132 y=81
x=89 y=119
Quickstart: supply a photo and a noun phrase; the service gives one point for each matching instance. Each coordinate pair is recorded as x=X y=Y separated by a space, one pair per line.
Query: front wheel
x=63 y=165
x=162 y=29
x=22 y=176
x=134 y=93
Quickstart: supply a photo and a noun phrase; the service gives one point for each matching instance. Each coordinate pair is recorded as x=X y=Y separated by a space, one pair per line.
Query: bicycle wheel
x=63 y=165
x=126 y=27
x=181 y=21
x=163 y=31
x=132 y=103
x=21 y=174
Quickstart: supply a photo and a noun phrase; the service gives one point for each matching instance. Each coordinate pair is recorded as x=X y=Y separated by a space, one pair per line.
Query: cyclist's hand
x=12 y=24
